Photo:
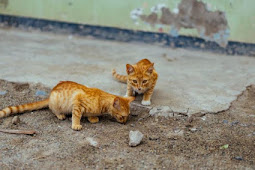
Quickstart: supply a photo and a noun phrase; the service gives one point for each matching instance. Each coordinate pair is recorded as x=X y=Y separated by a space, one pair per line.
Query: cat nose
x=139 y=88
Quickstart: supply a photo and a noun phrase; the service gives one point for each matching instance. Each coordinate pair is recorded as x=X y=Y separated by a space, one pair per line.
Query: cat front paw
x=76 y=127
x=146 y=103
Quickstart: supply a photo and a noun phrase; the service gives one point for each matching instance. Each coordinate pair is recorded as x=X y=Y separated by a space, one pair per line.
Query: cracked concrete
x=188 y=80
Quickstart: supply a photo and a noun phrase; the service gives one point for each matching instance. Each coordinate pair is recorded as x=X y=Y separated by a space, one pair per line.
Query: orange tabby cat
x=141 y=78
x=70 y=97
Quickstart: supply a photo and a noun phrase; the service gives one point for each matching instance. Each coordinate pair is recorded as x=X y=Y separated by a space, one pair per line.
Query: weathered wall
x=239 y=15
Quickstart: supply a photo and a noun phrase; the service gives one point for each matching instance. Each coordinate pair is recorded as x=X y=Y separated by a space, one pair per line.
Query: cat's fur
x=141 y=78
x=70 y=97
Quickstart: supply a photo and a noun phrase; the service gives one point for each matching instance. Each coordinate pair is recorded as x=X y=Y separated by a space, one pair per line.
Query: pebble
x=225 y=121
x=175 y=134
x=153 y=138
x=92 y=141
x=193 y=129
x=40 y=93
x=15 y=120
x=3 y=92
x=203 y=118
x=243 y=125
x=135 y=138
x=234 y=123
x=238 y=158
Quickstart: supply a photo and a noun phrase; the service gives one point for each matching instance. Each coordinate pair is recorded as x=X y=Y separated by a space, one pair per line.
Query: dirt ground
x=169 y=143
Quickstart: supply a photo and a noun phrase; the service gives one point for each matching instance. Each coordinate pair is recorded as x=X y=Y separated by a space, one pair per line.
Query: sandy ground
x=188 y=80
x=169 y=143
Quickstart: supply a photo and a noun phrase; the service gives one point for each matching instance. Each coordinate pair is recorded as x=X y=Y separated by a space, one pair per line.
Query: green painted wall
x=116 y=13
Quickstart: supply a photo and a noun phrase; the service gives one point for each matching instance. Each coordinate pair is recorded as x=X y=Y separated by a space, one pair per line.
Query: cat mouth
x=122 y=119
x=139 y=91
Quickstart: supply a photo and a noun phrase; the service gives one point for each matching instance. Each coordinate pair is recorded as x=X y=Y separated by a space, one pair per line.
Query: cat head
x=139 y=77
x=120 y=108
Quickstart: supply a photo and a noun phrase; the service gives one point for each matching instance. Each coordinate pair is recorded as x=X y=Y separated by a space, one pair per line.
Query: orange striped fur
x=70 y=97
x=23 y=108
x=141 y=78
x=119 y=77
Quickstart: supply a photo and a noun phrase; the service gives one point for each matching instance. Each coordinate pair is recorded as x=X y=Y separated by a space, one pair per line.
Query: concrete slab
x=188 y=80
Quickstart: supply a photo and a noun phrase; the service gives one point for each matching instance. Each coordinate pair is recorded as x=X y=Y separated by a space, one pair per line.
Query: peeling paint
x=211 y=25
x=135 y=14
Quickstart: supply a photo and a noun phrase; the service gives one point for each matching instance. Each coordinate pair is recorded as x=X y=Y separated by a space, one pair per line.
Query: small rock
x=91 y=141
x=225 y=121
x=203 y=118
x=15 y=120
x=176 y=133
x=193 y=129
x=132 y=125
x=243 y=125
x=135 y=138
x=234 y=123
x=153 y=138
x=3 y=92
x=238 y=158
x=40 y=93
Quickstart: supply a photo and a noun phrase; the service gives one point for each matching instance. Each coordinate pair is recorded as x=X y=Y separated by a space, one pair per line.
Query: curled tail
x=119 y=77
x=23 y=108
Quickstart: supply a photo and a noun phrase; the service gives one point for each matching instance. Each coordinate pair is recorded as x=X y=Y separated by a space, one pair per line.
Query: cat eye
x=144 y=81
x=134 y=81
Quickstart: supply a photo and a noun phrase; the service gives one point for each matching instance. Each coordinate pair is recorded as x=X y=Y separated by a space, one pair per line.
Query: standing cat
x=141 y=78
x=70 y=97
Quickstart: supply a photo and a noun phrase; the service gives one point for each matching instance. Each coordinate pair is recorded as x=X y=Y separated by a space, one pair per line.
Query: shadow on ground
x=177 y=142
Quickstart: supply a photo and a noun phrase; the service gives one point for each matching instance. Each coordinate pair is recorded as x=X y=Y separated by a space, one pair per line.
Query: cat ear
x=130 y=69
x=130 y=99
x=116 y=103
x=151 y=68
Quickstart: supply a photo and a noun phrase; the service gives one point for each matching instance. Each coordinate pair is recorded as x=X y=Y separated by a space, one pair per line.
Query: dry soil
x=169 y=143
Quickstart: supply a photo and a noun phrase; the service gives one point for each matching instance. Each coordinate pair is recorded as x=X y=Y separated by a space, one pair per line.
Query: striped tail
x=119 y=77
x=23 y=108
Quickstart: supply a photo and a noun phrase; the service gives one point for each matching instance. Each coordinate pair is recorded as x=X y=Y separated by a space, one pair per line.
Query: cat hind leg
x=60 y=116
x=93 y=119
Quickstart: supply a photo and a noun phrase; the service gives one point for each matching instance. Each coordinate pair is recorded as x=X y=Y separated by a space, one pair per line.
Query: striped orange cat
x=70 y=97
x=141 y=78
